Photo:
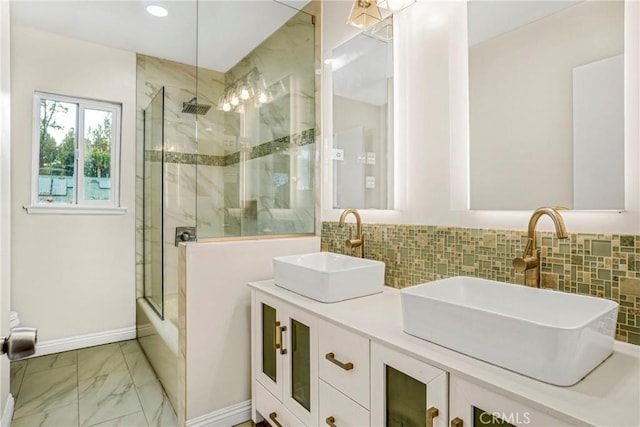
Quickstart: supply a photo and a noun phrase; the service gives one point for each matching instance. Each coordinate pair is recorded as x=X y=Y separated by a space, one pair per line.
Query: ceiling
x=225 y=31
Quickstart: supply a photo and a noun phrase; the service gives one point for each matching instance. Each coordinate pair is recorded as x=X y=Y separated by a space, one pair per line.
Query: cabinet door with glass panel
x=405 y=391
x=471 y=405
x=286 y=361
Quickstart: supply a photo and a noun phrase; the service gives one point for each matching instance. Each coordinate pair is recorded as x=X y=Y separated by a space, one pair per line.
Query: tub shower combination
x=222 y=155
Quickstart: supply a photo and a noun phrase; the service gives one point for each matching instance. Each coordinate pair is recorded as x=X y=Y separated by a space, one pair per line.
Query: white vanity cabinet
x=285 y=346
x=350 y=364
x=344 y=377
x=405 y=391
x=471 y=405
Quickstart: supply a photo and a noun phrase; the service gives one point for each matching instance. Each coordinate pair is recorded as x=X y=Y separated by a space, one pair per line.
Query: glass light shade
x=234 y=100
x=384 y=29
x=364 y=14
x=394 y=5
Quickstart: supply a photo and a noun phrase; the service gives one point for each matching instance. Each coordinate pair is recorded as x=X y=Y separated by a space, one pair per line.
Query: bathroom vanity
x=350 y=364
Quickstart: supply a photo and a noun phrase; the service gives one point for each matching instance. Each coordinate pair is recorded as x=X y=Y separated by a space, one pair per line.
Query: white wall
x=5 y=203
x=430 y=51
x=218 y=316
x=72 y=274
x=598 y=116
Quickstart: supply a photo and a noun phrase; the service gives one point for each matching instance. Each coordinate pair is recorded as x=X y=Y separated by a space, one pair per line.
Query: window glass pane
x=97 y=154
x=56 y=166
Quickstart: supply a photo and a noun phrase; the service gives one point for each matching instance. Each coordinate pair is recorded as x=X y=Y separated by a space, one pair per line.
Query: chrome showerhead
x=193 y=107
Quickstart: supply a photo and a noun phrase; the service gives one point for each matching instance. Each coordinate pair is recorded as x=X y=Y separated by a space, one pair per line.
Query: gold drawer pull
x=272 y=417
x=457 y=422
x=332 y=358
x=431 y=414
x=277 y=337
x=331 y=421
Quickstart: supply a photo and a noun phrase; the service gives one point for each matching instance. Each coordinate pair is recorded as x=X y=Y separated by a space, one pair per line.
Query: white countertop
x=608 y=396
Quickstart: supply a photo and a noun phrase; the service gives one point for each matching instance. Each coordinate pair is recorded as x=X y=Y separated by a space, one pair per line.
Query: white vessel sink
x=551 y=336
x=329 y=277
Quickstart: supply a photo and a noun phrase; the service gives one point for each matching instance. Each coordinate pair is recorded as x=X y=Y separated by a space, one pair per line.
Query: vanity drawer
x=344 y=361
x=272 y=410
x=339 y=410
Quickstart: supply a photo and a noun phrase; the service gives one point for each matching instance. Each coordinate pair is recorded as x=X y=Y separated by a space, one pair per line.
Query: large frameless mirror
x=362 y=151
x=358 y=121
x=546 y=104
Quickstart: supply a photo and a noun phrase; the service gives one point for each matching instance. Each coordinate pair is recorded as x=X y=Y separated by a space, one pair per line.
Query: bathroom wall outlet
x=371 y=182
x=371 y=157
x=337 y=154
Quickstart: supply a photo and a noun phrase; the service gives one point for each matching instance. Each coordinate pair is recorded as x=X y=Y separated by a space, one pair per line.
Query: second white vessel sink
x=329 y=277
x=551 y=336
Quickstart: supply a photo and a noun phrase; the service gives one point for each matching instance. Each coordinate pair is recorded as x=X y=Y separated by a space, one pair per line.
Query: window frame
x=79 y=203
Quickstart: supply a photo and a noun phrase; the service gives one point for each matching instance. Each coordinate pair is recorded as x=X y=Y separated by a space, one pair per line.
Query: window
x=76 y=154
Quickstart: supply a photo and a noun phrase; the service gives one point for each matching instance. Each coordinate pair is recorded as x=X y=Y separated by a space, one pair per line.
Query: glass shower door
x=153 y=219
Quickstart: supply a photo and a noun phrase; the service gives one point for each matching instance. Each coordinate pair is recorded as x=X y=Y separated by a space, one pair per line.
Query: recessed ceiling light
x=156 y=10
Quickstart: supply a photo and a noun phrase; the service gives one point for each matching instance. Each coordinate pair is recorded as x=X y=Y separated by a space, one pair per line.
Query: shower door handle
x=20 y=343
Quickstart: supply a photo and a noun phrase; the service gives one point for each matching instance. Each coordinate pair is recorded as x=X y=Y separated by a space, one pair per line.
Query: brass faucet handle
x=522 y=264
x=353 y=243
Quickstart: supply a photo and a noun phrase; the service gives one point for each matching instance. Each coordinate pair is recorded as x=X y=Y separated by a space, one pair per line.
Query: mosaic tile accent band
x=277 y=146
x=601 y=265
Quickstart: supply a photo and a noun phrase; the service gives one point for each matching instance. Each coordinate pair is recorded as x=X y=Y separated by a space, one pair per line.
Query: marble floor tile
x=47 y=389
x=58 y=360
x=140 y=369
x=132 y=420
x=109 y=385
x=17 y=374
x=130 y=346
x=100 y=360
x=106 y=397
x=245 y=424
x=65 y=415
x=156 y=405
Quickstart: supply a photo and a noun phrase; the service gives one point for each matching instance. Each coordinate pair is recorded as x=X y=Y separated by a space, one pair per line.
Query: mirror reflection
x=362 y=151
x=546 y=104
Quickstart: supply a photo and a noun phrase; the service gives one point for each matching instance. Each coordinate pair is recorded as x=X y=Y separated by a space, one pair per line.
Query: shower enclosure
x=225 y=154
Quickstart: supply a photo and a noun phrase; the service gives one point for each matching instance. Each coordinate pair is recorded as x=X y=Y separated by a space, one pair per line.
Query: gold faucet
x=358 y=242
x=529 y=262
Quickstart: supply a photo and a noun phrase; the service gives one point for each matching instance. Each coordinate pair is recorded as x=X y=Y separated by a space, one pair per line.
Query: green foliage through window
x=77 y=141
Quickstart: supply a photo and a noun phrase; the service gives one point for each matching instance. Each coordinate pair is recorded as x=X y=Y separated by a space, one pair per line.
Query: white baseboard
x=7 y=414
x=82 y=341
x=225 y=417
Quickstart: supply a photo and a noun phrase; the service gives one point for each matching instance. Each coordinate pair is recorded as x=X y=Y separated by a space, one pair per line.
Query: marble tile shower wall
x=277 y=142
x=601 y=265
x=181 y=150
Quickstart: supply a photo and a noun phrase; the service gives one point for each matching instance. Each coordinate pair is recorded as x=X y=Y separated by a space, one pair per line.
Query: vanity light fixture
x=364 y=14
x=395 y=5
x=156 y=10
x=249 y=88
x=384 y=29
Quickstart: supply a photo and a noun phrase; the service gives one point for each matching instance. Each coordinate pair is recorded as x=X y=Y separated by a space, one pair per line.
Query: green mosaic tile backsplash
x=601 y=265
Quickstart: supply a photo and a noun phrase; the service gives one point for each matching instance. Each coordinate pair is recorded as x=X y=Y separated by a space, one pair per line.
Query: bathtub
x=159 y=341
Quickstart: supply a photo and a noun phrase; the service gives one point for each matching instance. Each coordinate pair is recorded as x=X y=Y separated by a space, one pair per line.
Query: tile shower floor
x=107 y=385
